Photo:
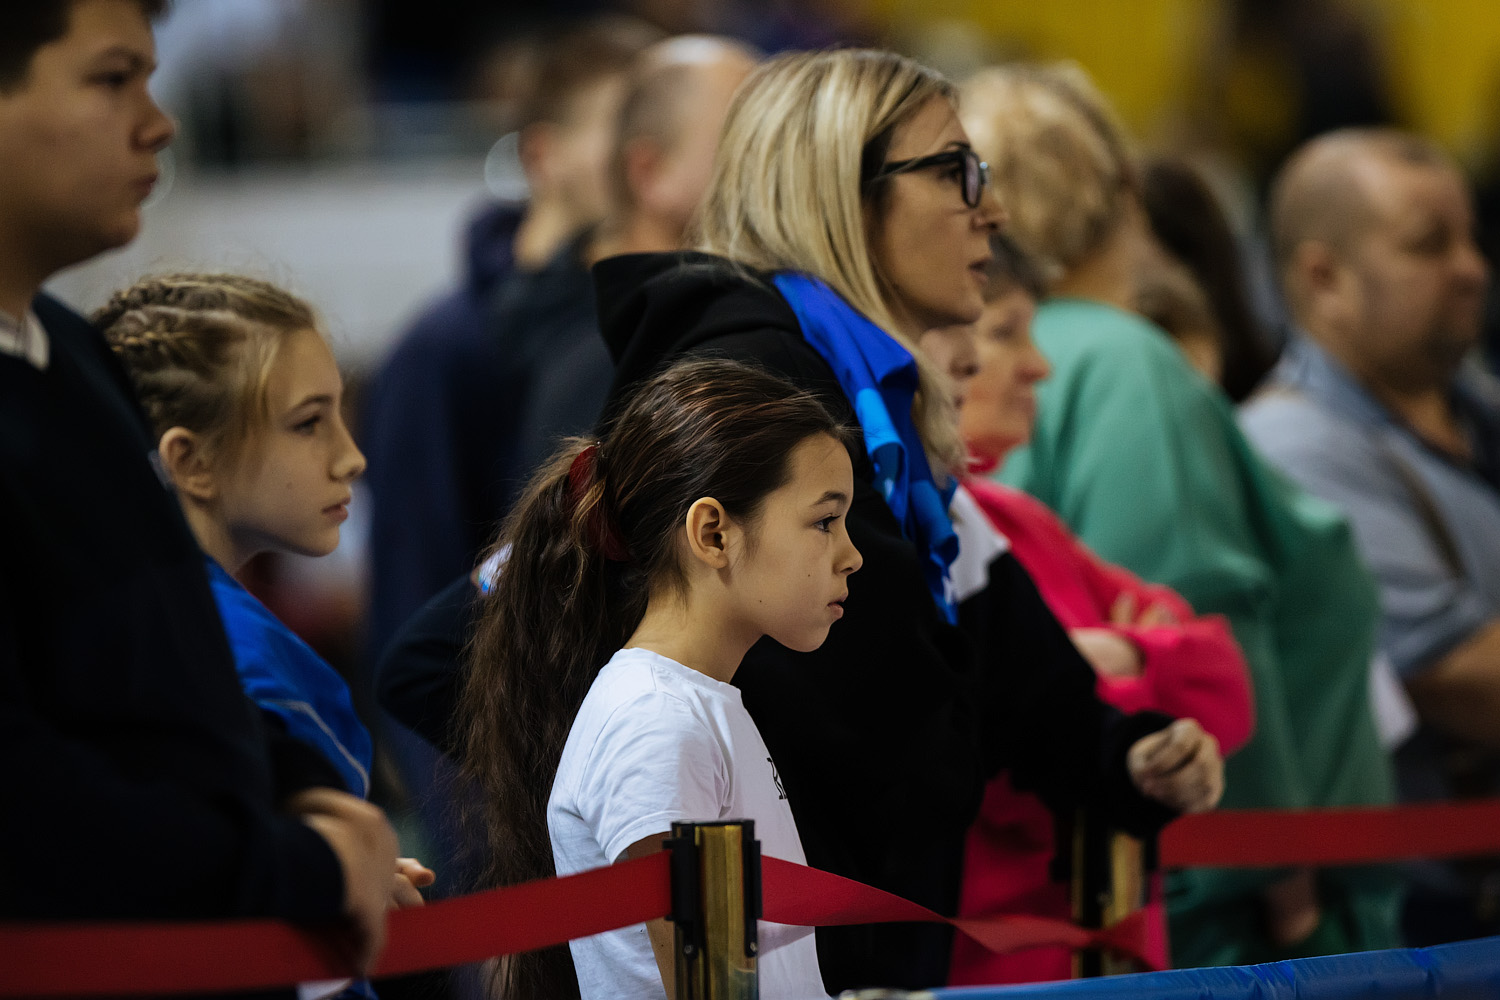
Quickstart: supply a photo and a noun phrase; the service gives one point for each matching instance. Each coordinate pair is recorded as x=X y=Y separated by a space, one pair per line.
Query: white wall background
x=366 y=244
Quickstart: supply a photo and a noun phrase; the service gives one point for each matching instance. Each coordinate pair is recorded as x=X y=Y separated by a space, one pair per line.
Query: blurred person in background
x=1143 y=458
x=1373 y=408
x=663 y=154
x=260 y=80
x=668 y=131
x=1144 y=642
x=1192 y=280
x=1277 y=72
x=440 y=412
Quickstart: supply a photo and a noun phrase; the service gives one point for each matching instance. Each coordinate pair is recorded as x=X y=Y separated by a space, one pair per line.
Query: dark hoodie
x=886 y=735
x=427 y=434
x=141 y=782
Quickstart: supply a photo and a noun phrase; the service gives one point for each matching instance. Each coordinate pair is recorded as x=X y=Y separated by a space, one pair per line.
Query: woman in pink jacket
x=1148 y=647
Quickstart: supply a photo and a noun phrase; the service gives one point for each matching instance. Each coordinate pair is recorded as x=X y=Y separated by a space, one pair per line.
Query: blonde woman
x=1143 y=459
x=847 y=214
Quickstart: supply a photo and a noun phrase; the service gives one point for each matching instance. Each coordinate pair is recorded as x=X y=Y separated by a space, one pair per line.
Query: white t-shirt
x=657 y=742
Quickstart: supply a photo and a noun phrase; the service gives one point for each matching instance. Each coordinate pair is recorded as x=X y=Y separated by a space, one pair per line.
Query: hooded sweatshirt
x=886 y=735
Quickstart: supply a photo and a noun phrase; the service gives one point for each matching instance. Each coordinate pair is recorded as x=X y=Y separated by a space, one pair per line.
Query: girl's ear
x=706 y=523
x=186 y=459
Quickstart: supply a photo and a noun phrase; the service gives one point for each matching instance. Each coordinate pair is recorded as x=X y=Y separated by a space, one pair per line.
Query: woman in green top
x=1142 y=457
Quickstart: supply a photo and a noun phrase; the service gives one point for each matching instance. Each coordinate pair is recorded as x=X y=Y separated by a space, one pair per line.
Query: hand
x=1122 y=613
x=1292 y=909
x=411 y=875
x=1109 y=653
x=1178 y=766
x=365 y=845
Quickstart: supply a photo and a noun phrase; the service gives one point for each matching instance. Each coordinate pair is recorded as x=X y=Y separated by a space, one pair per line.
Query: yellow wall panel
x=1443 y=56
x=1141 y=52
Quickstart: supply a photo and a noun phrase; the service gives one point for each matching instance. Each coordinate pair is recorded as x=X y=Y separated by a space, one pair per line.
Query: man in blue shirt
x=1373 y=408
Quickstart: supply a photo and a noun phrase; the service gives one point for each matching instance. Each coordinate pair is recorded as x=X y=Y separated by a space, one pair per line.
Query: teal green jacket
x=1143 y=459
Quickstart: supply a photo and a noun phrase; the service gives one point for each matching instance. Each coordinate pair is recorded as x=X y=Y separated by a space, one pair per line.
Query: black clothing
x=558 y=365
x=417 y=680
x=140 y=782
x=434 y=447
x=471 y=401
x=885 y=736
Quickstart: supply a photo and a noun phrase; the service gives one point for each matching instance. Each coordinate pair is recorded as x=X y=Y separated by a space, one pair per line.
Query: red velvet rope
x=156 y=958
x=75 y=959
x=1263 y=838
x=793 y=894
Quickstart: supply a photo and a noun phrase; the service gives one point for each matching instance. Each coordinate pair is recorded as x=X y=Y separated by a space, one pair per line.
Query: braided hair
x=199 y=349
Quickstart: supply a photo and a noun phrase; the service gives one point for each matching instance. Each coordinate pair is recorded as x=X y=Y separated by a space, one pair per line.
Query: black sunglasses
x=976 y=173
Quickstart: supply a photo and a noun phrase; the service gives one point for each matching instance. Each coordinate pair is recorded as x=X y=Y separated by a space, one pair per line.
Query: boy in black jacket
x=141 y=783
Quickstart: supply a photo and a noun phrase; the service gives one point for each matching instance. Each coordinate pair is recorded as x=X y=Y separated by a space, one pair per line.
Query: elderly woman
x=1145 y=643
x=847 y=214
x=1143 y=459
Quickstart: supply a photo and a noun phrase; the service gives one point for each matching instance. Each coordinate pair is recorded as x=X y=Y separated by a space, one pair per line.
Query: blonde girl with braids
x=243 y=395
x=639 y=568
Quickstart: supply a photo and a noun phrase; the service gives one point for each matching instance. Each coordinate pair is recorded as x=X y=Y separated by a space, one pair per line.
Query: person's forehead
x=1399 y=193
x=933 y=127
x=817 y=463
x=100 y=27
x=304 y=364
x=595 y=102
x=1011 y=300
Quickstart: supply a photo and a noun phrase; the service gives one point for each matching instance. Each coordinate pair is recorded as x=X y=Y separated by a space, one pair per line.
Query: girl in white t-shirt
x=640 y=568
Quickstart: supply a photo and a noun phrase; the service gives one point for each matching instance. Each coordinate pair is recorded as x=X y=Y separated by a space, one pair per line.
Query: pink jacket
x=1191 y=669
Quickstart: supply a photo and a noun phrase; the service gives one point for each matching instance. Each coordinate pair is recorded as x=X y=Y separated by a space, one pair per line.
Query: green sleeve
x=1144 y=462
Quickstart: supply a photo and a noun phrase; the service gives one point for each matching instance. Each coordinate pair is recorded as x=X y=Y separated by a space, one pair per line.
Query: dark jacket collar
x=659 y=305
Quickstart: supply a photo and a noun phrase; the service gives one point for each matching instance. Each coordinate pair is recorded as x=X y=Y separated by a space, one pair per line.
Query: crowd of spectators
x=1094 y=490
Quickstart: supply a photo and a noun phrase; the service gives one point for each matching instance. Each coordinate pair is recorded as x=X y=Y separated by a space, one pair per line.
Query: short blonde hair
x=199 y=349
x=789 y=190
x=1060 y=161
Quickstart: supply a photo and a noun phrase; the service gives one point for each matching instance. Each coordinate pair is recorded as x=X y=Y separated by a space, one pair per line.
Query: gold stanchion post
x=715 y=905
x=1108 y=881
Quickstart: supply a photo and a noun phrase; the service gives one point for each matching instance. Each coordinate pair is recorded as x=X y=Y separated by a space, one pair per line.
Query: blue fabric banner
x=1468 y=970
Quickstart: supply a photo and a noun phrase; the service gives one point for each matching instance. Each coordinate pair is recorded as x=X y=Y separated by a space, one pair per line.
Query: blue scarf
x=879 y=377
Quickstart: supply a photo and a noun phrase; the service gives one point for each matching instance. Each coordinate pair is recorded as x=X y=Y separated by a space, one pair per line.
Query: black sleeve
x=1010 y=672
x=1040 y=718
x=296 y=765
x=138 y=779
x=419 y=675
x=87 y=839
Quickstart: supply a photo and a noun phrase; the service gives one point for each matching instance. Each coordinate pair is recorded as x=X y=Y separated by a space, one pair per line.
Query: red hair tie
x=601 y=533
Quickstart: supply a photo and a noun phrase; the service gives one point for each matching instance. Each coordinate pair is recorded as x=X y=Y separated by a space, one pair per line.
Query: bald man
x=668 y=133
x=1372 y=408
x=675 y=103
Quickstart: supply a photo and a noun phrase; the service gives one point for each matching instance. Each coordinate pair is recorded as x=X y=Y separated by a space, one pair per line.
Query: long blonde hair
x=787 y=191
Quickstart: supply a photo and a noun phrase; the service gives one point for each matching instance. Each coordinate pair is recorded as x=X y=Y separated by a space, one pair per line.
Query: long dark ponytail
x=594 y=536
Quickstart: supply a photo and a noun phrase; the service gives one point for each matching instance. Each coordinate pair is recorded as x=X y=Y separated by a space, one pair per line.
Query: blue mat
x=1468 y=970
